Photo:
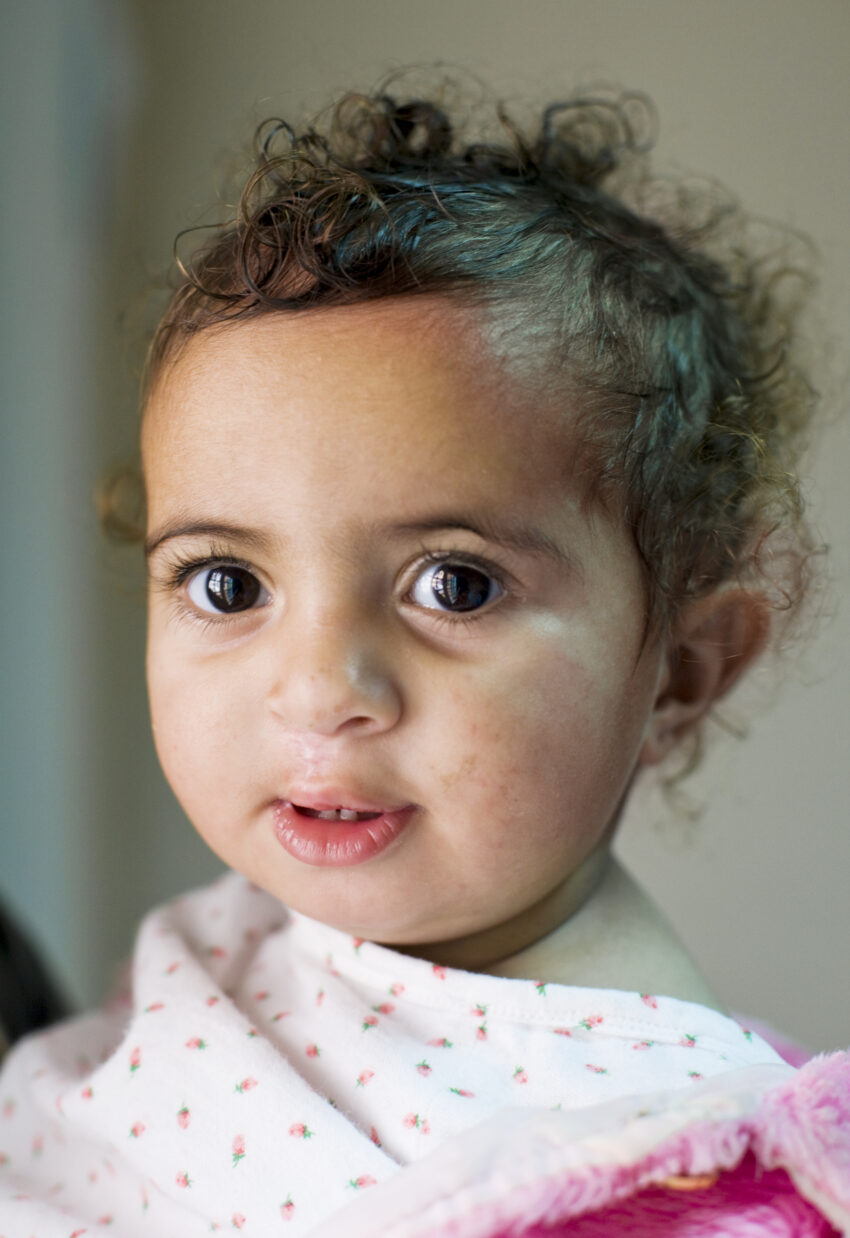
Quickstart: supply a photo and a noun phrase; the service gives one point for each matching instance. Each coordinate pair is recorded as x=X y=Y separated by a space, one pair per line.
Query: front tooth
x=330 y=814
x=348 y=814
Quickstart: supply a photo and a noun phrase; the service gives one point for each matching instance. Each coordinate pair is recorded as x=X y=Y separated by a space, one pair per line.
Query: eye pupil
x=460 y=588
x=232 y=589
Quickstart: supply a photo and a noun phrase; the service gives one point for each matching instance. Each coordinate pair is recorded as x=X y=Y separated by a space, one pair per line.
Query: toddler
x=468 y=496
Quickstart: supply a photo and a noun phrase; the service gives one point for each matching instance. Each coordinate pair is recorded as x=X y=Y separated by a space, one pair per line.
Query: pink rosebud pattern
x=238 y=1149
x=415 y=1122
x=592 y=1021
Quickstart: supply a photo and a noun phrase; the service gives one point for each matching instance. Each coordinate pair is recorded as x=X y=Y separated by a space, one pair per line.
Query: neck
x=484 y=951
x=617 y=939
x=598 y=930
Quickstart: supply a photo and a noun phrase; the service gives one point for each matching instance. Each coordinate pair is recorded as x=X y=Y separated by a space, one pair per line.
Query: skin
x=331 y=442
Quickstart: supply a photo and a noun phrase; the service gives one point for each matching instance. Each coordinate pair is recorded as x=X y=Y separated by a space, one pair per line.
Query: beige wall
x=755 y=92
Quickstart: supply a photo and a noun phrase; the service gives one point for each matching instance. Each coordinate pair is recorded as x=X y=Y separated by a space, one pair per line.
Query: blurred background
x=121 y=122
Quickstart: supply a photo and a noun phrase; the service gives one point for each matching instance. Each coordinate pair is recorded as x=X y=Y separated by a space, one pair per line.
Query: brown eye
x=226 y=589
x=455 y=587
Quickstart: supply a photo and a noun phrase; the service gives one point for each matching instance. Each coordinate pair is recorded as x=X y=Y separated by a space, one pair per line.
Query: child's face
x=425 y=626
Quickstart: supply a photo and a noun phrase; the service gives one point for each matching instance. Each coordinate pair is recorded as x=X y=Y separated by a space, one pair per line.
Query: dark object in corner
x=29 y=998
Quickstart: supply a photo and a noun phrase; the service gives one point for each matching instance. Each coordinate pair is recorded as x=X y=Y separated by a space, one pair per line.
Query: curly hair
x=648 y=296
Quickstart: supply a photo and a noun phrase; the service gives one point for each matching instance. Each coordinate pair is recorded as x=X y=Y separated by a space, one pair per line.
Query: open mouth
x=335 y=814
x=333 y=837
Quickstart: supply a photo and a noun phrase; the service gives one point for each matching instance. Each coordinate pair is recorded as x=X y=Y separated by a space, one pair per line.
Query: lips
x=335 y=830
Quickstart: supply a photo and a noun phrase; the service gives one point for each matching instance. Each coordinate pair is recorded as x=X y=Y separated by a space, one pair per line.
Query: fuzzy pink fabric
x=744 y=1203
x=804 y=1126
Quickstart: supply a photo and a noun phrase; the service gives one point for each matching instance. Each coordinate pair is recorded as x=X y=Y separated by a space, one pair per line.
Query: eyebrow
x=207 y=528
x=512 y=535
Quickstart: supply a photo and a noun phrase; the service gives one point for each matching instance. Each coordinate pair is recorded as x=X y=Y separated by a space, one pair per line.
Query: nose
x=333 y=675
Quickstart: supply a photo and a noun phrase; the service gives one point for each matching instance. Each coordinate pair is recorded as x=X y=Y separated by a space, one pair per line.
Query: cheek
x=549 y=741
x=513 y=737
x=193 y=728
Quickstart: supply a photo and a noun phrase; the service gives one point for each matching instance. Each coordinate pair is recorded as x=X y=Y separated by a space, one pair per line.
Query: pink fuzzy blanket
x=753 y=1153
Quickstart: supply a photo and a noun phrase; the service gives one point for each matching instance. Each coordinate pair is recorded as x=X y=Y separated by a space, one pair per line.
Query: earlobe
x=715 y=639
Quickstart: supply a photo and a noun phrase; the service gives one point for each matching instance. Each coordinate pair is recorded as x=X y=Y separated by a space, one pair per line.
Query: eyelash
x=180 y=570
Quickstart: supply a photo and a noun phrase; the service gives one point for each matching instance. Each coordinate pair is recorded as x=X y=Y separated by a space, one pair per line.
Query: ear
x=714 y=640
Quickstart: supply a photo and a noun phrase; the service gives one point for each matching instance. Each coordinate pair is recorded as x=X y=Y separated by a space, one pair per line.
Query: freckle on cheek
x=462 y=774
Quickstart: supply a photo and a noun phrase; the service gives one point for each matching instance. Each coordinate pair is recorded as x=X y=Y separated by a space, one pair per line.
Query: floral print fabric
x=265 y=1069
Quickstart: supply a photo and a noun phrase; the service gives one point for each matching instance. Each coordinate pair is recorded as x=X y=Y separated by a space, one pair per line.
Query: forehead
x=398 y=393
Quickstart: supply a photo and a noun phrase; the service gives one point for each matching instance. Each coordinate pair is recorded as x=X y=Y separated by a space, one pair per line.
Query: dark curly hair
x=648 y=297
